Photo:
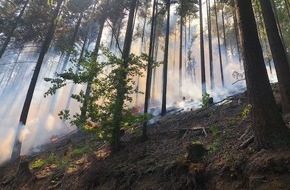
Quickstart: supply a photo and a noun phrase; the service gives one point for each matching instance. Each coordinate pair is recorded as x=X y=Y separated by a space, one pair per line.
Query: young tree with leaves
x=122 y=74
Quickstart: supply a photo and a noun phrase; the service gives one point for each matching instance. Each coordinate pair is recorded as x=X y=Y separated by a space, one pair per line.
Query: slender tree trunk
x=268 y=55
x=174 y=47
x=236 y=35
x=112 y=36
x=224 y=33
x=9 y=74
x=210 y=45
x=149 y=71
x=274 y=10
x=287 y=8
x=13 y=28
x=117 y=114
x=73 y=39
x=278 y=53
x=180 y=56
x=118 y=31
x=165 y=62
x=23 y=117
x=262 y=34
x=203 y=82
x=156 y=41
x=145 y=20
x=155 y=50
x=268 y=126
x=94 y=59
x=185 y=44
x=219 y=44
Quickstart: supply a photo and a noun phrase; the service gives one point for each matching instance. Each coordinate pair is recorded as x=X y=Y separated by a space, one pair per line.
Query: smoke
x=40 y=131
x=6 y=141
x=43 y=122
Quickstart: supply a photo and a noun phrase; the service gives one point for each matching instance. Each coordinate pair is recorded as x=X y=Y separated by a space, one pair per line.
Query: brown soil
x=179 y=154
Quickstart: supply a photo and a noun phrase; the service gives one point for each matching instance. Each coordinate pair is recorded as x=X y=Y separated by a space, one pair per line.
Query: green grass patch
x=38 y=163
x=81 y=150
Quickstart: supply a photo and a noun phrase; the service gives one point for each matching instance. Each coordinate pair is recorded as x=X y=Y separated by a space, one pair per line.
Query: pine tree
x=24 y=113
x=278 y=53
x=269 y=129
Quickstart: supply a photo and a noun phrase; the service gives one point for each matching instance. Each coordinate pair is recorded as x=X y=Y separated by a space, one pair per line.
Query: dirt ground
x=202 y=149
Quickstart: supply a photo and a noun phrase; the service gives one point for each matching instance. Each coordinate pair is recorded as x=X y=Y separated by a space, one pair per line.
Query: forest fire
x=53 y=138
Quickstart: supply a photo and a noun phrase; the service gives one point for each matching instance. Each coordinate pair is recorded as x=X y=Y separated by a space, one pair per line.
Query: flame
x=53 y=139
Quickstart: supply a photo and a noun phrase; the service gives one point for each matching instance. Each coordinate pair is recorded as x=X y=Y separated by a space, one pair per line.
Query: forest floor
x=169 y=159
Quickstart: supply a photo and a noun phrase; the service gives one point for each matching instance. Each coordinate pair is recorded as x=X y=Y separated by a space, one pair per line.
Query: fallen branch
x=203 y=109
x=186 y=130
x=245 y=133
x=238 y=81
x=247 y=142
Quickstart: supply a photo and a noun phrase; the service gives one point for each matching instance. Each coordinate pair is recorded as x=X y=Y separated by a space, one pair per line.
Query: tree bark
x=23 y=117
x=149 y=71
x=278 y=53
x=268 y=126
x=118 y=111
x=202 y=64
x=274 y=9
x=165 y=61
x=210 y=45
x=237 y=35
x=224 y=34
x=180 y=56
x=219 y=45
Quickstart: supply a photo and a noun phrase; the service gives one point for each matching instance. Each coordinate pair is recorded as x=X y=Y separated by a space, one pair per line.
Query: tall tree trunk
x=274 y=9
x=81 y=56
x=165 y=61
x=13 y=28
x=210 y=45
x=180 y=56
x=237 y=35
x=202 y=64
x=23 y=117
x=224 y=33
x=156 y=49
x=149 y=70
x=278 y=53
x=117 y=114
x=71 y=44
x=262 y=33
x=185 y=45
x=145 y=21
x=287 y=8
x=268 y=126
x=219 y=44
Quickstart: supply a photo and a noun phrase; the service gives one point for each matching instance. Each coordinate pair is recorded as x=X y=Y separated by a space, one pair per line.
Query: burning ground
x=203 y=149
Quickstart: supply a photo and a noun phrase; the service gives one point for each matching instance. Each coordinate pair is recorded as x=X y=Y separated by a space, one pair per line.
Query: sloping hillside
x=201 y=149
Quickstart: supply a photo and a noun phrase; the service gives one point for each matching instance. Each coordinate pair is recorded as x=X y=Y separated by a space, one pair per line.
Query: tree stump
x=195 y=152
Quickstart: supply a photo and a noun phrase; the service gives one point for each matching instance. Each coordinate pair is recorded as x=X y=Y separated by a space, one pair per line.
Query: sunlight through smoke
x=6 y=142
